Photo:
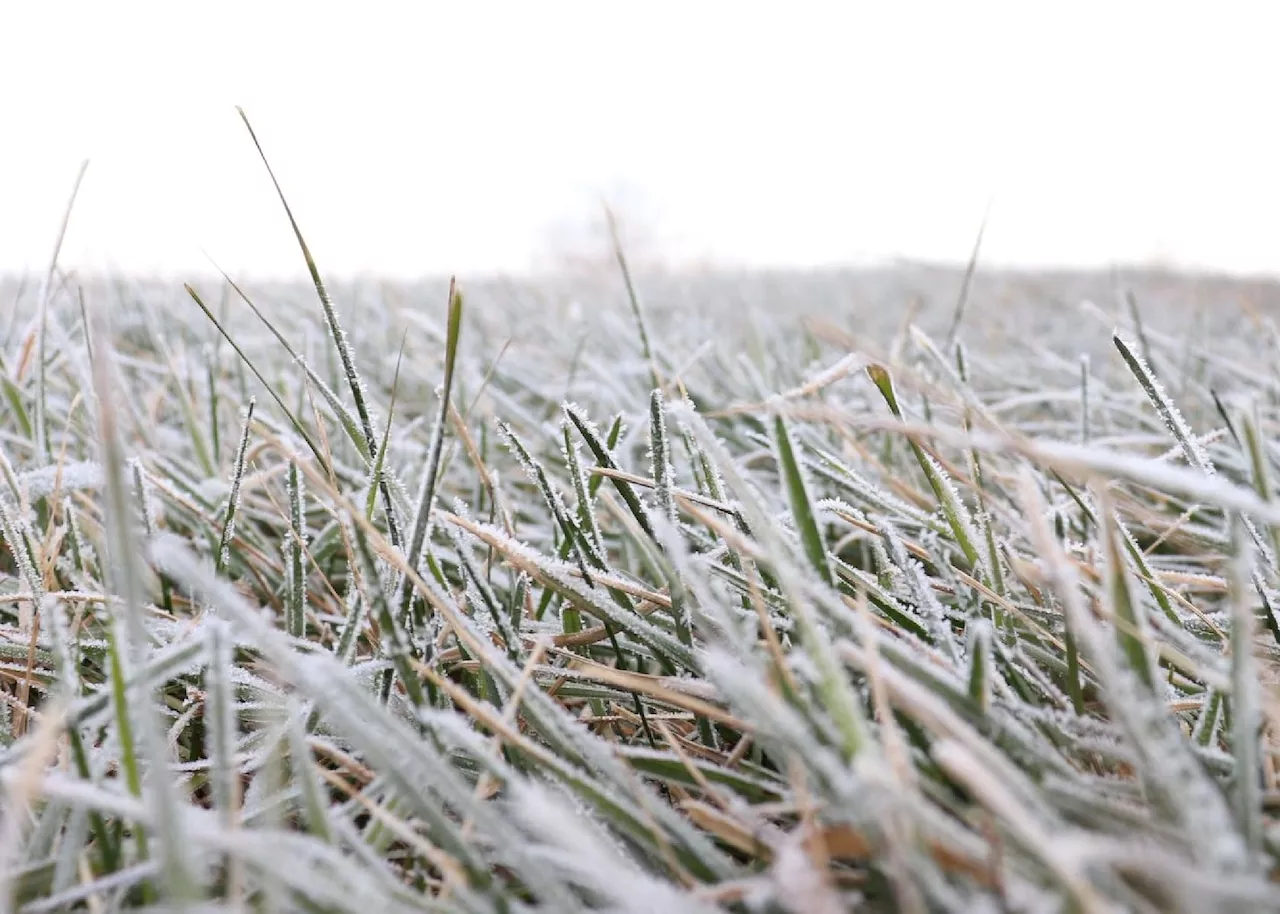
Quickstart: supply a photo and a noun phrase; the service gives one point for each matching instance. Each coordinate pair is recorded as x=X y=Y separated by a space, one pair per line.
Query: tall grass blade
x=223 y=556
x=633 y=296
x=43 y=447
x=970 y=268
x=336 y=332
x=427 y=492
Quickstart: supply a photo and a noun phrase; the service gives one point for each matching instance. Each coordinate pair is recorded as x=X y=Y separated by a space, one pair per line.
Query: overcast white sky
x=425 y=137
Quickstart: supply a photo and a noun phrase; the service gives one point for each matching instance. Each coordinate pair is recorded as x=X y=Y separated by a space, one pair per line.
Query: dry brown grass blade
x=654 y=687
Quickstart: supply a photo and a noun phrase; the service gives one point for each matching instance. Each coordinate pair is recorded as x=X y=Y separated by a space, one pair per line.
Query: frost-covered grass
x=629 y=594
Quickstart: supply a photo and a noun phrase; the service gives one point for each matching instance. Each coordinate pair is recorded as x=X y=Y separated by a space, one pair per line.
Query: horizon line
x=692 y=269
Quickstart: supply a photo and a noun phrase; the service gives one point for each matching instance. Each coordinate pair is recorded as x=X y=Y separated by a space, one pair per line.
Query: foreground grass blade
x=1131 y=629
x=1246 y=704
x=129 y=649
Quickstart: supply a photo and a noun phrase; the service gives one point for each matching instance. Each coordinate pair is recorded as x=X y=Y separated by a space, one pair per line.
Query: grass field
x=665 y=594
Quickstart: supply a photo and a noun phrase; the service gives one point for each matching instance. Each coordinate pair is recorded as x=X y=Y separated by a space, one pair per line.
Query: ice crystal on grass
x=15 y=530
x=991 y=650
x=69 y=477
x=1195 y=453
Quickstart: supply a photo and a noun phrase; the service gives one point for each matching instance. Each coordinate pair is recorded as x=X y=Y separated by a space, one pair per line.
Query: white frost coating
x=589 y=857
x=1178 y=427
x=573 y=460
x=233 y=498
x=330 y=397
x=579 y=416
x=69 y=477
x=660 y=468
x=832 y=468
x=562 y=573
x=1190 y=483
x=54 y=622
x=618 y=779
x=840 y=369
x=922 y=591
x=143 y=490
x=1181 y=789
x=954 y=504
x=800 y=887
x=14 y=529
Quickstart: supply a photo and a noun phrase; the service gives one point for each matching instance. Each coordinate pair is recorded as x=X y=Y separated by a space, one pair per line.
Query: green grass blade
x=798 y=499
x=633 y=295
x=970 y=268
x=326 y=303
x=228 y=533
x=1127 y=615
x=604 y=457
x=427 y=493
x=377 y=481
x=948 y=499
x=295 y=540
x=289 y=414
x=128 y=645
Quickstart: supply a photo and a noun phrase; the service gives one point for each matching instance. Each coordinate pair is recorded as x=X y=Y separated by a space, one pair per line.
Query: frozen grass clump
x=437 y=598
